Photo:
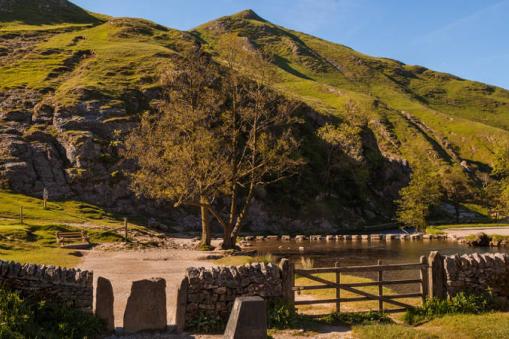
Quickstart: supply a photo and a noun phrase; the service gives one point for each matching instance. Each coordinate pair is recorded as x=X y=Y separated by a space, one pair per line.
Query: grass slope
x=34 y=240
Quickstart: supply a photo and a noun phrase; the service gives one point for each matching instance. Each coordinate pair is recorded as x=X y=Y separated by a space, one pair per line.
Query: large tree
x=219 y=133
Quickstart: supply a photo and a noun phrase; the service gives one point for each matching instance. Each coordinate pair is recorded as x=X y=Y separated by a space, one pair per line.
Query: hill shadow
x=44 y=12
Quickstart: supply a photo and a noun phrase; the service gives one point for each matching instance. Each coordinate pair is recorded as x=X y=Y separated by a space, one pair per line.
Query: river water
x=356 y=252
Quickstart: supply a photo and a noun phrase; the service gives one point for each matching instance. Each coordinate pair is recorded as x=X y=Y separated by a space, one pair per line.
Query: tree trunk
x=457 y=210
x=205 y=227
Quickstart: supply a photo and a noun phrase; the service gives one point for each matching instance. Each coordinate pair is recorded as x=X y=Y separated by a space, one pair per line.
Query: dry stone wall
x=477 y=273
x=70 y=286
x=212 y=292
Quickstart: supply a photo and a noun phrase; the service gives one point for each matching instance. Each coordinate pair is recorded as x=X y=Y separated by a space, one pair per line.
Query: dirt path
x=463 y=232
x=122 y=268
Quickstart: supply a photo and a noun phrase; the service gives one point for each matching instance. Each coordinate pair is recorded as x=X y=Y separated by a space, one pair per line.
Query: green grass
x=392 y=331
x=483 y=326
x=34 y=241
x=239 y=260
x=443 y=227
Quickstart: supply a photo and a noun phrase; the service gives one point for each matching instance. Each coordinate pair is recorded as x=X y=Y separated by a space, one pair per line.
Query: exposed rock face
x=146 y=306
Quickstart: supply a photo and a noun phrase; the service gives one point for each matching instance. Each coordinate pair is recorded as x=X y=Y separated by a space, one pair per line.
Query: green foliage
x=357 y=318
x=24 y=318
x=418 y=197
x=460 y=303
x=206 y=323
x=281 y=314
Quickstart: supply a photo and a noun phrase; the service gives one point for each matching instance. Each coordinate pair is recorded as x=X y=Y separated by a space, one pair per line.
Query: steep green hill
x=73 y=83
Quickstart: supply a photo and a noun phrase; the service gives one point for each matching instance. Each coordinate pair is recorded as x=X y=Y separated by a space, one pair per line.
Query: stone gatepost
x=437 y=286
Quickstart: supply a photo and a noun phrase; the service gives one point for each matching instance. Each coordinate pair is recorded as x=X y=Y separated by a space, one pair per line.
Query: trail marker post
x=45 y=198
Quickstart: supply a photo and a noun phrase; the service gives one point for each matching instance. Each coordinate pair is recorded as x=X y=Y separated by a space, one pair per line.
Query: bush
x=460 y=303
x=27 y=318
x=206 y=323
x=281 y=314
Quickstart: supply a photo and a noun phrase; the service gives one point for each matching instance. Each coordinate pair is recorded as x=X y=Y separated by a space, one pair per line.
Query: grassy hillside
x=34 y=241
x=91 y=76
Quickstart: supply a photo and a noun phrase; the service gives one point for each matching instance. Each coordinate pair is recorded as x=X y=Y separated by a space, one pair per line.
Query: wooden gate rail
x=422 y=267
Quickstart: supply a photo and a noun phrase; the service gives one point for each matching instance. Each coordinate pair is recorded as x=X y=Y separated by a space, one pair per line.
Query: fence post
x=338 y=289
x=21 y=216
x=424 y=277
x=436 y=276
x=380 y=288
x=125 y=230
x=288 y=281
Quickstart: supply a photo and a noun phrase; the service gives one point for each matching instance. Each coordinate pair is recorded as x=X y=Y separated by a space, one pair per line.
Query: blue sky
x=469 y=38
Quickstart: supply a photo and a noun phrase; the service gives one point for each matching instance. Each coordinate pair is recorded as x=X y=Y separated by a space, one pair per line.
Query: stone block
x=146 y=306
x=248 y=319
x=104 y=300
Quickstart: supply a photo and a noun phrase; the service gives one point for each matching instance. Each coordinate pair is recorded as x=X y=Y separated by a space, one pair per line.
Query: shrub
x=206 y=323
x=460 y=303
x=281 y=314
x=28 y=318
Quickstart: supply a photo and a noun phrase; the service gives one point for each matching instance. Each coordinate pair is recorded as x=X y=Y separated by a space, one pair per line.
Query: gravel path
x=463 y=232
x=122 y=268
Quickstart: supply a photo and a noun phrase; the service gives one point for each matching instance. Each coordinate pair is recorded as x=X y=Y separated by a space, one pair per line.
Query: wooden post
x=21 y=216
x=125 y=230
x=45 y=196
x=338 y=290
x=436 y=276
x=424 y=277
x=380 y=288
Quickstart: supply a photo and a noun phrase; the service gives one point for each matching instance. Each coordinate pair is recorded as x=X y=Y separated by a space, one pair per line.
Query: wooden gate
x=382 y=299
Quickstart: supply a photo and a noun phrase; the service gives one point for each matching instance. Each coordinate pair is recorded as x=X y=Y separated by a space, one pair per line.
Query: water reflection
x=347 y=253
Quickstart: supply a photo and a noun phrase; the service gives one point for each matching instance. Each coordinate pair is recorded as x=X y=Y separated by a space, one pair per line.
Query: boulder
x=146 y=306
x=479 y=240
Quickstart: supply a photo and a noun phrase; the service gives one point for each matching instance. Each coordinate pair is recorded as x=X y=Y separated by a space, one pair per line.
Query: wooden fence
x=421 y=267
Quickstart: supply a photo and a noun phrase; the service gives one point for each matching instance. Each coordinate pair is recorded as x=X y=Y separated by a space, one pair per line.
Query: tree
x=260 y=139
x=178 y=152
x=340 y=140
x=456 y=188
x=216 y=137
x=418 y=197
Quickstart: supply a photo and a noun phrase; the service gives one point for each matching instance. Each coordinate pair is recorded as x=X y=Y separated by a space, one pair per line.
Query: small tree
x=418 y=197
x=456 y=188
x=340 y=140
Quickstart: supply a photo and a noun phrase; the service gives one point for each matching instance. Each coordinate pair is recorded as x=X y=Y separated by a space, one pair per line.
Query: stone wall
x=70 y=286
x=477 y=273
x=212 y=292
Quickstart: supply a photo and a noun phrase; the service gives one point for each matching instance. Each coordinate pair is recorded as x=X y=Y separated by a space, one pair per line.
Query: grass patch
x=239 y=260
x=392 y=331
x=451 y=226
